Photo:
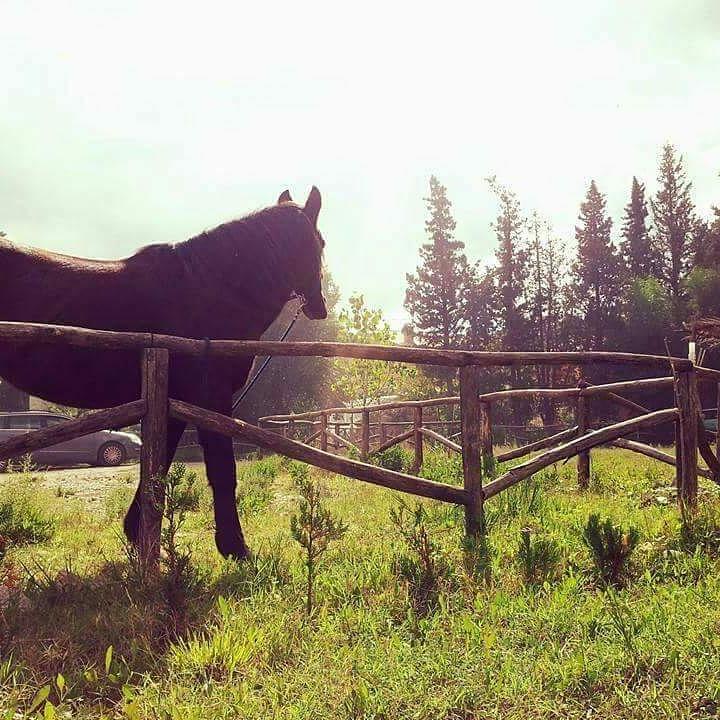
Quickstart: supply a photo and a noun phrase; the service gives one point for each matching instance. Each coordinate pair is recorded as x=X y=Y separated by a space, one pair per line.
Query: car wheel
x=111 y=454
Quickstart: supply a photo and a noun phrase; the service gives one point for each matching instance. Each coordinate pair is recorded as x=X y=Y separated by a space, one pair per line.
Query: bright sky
x=126 y=123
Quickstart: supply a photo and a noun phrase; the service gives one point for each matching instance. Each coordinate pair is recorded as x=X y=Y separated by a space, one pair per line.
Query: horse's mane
x=250 y=253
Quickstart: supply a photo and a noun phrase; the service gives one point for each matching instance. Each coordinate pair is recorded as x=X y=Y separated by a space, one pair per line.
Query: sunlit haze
x=124 y=124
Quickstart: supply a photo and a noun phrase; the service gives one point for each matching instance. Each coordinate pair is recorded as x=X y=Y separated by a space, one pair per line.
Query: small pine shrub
x=313 y=527
x=422 y=565
x=117 y=501
x=394 y=458
x=610 y=547
x=537 y=559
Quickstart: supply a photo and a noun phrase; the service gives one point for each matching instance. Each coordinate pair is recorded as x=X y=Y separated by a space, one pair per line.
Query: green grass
x=239 y=644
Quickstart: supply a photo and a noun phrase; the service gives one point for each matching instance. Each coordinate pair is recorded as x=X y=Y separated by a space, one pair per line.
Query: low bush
x=610 y=547
x=538 y=559
x=22 y=520
x=422 y=565
x=394 y=458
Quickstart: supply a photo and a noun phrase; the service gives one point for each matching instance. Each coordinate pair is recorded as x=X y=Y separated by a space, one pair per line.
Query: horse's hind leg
x=131 y=525
x=220 y=466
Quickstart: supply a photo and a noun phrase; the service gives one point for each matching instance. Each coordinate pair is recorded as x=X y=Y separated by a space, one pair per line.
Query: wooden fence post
x=582 y=422
x=153 y=454
x=365 y=435
x=687 y=403
x=418 y=437
x=323 y=432
x=486 y=441
x=717 y=423
x=470 y=430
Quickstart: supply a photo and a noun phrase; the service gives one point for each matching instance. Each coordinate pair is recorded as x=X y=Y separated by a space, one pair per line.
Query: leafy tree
x=648 y=316
x=675 y=224
x=364 y=381
x=596 y=270
x=636 y=248
x=703 y=288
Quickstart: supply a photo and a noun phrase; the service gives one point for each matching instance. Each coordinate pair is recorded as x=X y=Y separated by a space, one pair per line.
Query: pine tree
x=675 y=224
x=512 y=267
x=438 y=293
x=596 y=270
x=636 y=248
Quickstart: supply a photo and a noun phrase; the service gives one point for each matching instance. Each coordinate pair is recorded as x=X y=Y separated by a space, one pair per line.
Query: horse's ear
x=284 y=197
x=313 y=204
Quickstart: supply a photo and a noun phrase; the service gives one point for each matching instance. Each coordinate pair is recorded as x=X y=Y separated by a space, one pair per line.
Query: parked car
x=106 y=447
x=710 y=421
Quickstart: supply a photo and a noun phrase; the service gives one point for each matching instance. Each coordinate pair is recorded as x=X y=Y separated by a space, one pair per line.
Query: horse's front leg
x=131 y=525
x=220 y=466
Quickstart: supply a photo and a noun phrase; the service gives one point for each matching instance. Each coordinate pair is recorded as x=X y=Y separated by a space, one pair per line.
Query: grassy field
x=408 y=622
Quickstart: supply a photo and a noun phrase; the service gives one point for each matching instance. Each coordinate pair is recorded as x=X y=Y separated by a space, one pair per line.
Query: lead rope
x=266 y=362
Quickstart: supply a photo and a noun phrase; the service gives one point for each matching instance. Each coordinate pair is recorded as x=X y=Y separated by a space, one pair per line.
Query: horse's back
x=42 y=287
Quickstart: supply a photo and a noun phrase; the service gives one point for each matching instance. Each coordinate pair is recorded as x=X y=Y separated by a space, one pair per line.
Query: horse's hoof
x=232 y=547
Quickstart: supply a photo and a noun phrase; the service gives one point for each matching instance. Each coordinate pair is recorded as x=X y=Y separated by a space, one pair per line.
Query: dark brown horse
x=230 y=282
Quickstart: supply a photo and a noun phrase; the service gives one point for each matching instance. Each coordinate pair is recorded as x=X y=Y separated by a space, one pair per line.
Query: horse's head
x=308 y=269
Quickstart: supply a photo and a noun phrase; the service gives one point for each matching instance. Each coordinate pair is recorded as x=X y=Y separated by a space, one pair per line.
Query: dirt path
x=89 y=484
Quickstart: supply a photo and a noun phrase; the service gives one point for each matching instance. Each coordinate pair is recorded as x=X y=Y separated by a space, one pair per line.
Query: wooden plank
x=689 y=411
x=656 y=454
x=629 y=404
x=487 y=452
x=394 y=441
x=115 y=417
x=342 y=441
x=215 y=422
x=582 y=420
x=585 y=390
x=591 y=439
x=449 y=444
x=470 y=423
x=153 y=455
x=418 y=439
x=81 y=337
x=717 y=421
x=538 y=444
x=644 y=449
x=323 y=432
x=365 y=435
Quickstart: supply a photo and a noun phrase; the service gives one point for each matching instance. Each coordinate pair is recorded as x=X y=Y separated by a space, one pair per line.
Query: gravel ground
x=89 y=484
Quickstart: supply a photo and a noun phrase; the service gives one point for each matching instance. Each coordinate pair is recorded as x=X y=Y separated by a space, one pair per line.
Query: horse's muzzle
x=315 y=308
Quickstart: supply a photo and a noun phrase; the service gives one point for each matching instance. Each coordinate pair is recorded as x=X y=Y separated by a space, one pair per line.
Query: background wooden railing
x=154 y=407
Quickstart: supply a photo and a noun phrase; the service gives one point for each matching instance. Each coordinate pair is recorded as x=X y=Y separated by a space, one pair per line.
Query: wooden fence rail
x=479 y=460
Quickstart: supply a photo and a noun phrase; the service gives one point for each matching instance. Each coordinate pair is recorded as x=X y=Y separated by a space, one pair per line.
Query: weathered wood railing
x=154 y=407
x=417 y=429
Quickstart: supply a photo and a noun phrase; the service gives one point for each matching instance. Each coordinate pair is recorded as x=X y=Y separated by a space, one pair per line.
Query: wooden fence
x=154 y=407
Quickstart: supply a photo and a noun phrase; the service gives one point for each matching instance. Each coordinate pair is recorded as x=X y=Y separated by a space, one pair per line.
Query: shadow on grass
x=68 y=621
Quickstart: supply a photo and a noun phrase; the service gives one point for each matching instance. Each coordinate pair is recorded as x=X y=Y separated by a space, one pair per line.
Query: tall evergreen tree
x=675 y=224
x=596 y=270
x=439 y=292
x=636 y=248
x=512 y=267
